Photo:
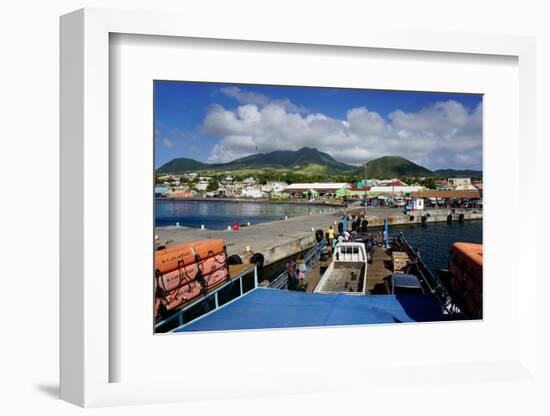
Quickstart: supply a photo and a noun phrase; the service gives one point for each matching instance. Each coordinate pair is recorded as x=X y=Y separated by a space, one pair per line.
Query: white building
x=252 y=192
x=418 y=204
x=201 y=186
x=459 y=181
x=317 y=188
x=249 y=181
x=273 y=186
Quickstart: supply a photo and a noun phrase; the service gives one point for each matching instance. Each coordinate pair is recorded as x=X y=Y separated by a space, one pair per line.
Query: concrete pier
x=278 y=240
x=424 y=216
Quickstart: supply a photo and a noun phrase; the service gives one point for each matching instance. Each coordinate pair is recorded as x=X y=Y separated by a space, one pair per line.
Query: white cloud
x=445 y=134
x=173 y=138
x=167 y=143
x=260 y=100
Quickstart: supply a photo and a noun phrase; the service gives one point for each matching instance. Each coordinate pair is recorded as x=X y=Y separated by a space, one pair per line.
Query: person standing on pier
x=345 y=222
x=292 y=275
x=330 y=235
x=302 y=269
x=346 y=235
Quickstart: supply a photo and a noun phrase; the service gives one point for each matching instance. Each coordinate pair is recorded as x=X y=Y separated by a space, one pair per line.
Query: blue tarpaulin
x=272 y=308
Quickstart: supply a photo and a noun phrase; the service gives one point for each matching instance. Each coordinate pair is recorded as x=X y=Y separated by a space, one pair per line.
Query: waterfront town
x=417 y=194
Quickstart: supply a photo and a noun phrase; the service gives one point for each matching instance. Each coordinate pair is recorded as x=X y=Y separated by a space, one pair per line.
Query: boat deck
x=377 y=270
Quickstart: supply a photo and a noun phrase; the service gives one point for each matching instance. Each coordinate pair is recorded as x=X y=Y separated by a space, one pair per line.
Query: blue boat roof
x=272 y=308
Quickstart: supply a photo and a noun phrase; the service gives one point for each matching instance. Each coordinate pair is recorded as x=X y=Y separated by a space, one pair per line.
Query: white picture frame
x=85 y=351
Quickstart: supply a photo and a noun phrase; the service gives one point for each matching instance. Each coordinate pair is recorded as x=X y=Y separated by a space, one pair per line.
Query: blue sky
x=221 y=122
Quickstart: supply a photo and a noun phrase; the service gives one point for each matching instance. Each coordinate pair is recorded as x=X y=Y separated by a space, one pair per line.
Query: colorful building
x=316 y=189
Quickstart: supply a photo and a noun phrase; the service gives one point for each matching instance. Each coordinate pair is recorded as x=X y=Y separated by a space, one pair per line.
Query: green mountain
x=181 y=165
x=289 y=159
x=305 y=158
x=310 y=161
x=394 y=167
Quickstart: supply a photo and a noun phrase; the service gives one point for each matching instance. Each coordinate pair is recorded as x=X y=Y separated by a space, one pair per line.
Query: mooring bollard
x=248 y=224
x=177 y=224
x=228 y=228
x=286 y=217
x=202 y=227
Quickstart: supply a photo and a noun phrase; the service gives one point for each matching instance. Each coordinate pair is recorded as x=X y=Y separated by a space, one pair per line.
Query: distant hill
x=290 y=159
x=181 y=165
x=394 y=167
x=310 y=161
x=306 y=158
x=457 y=173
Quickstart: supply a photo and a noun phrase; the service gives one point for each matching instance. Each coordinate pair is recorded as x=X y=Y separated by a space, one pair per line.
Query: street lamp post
x=365 y=166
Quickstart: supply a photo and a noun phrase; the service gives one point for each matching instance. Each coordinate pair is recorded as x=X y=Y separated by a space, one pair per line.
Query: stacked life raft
x=466 y=280
x=185 y=272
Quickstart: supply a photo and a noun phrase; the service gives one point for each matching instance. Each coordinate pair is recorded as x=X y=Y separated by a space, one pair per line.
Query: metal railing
x=280 y=282
x=178 y=318
x=433 y=283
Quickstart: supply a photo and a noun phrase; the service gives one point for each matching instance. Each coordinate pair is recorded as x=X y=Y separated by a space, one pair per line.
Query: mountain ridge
x=307 y=158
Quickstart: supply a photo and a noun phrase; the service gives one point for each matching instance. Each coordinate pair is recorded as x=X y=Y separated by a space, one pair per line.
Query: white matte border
x=91 y=376
x=137 y=60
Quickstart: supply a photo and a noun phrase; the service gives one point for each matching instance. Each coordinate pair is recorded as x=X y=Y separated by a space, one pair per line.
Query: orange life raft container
x=466 y=277
x=214 y=279
x=176 y=278
x=193 y=289
x=172 y=258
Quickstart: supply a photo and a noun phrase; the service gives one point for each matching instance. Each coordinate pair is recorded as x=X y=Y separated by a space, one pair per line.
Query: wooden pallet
x=400 y=260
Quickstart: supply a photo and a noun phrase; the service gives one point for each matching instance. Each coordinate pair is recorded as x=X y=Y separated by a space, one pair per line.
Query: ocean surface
x=217 y=215
x=434 y=240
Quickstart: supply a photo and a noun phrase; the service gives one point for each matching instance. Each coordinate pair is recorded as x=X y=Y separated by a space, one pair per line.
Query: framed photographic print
x=290 y=213
x=282 y=215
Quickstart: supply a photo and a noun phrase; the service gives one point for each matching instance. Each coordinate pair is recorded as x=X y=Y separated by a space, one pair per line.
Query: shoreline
x=394 y=216
x=333 y=210
x=258 y=200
